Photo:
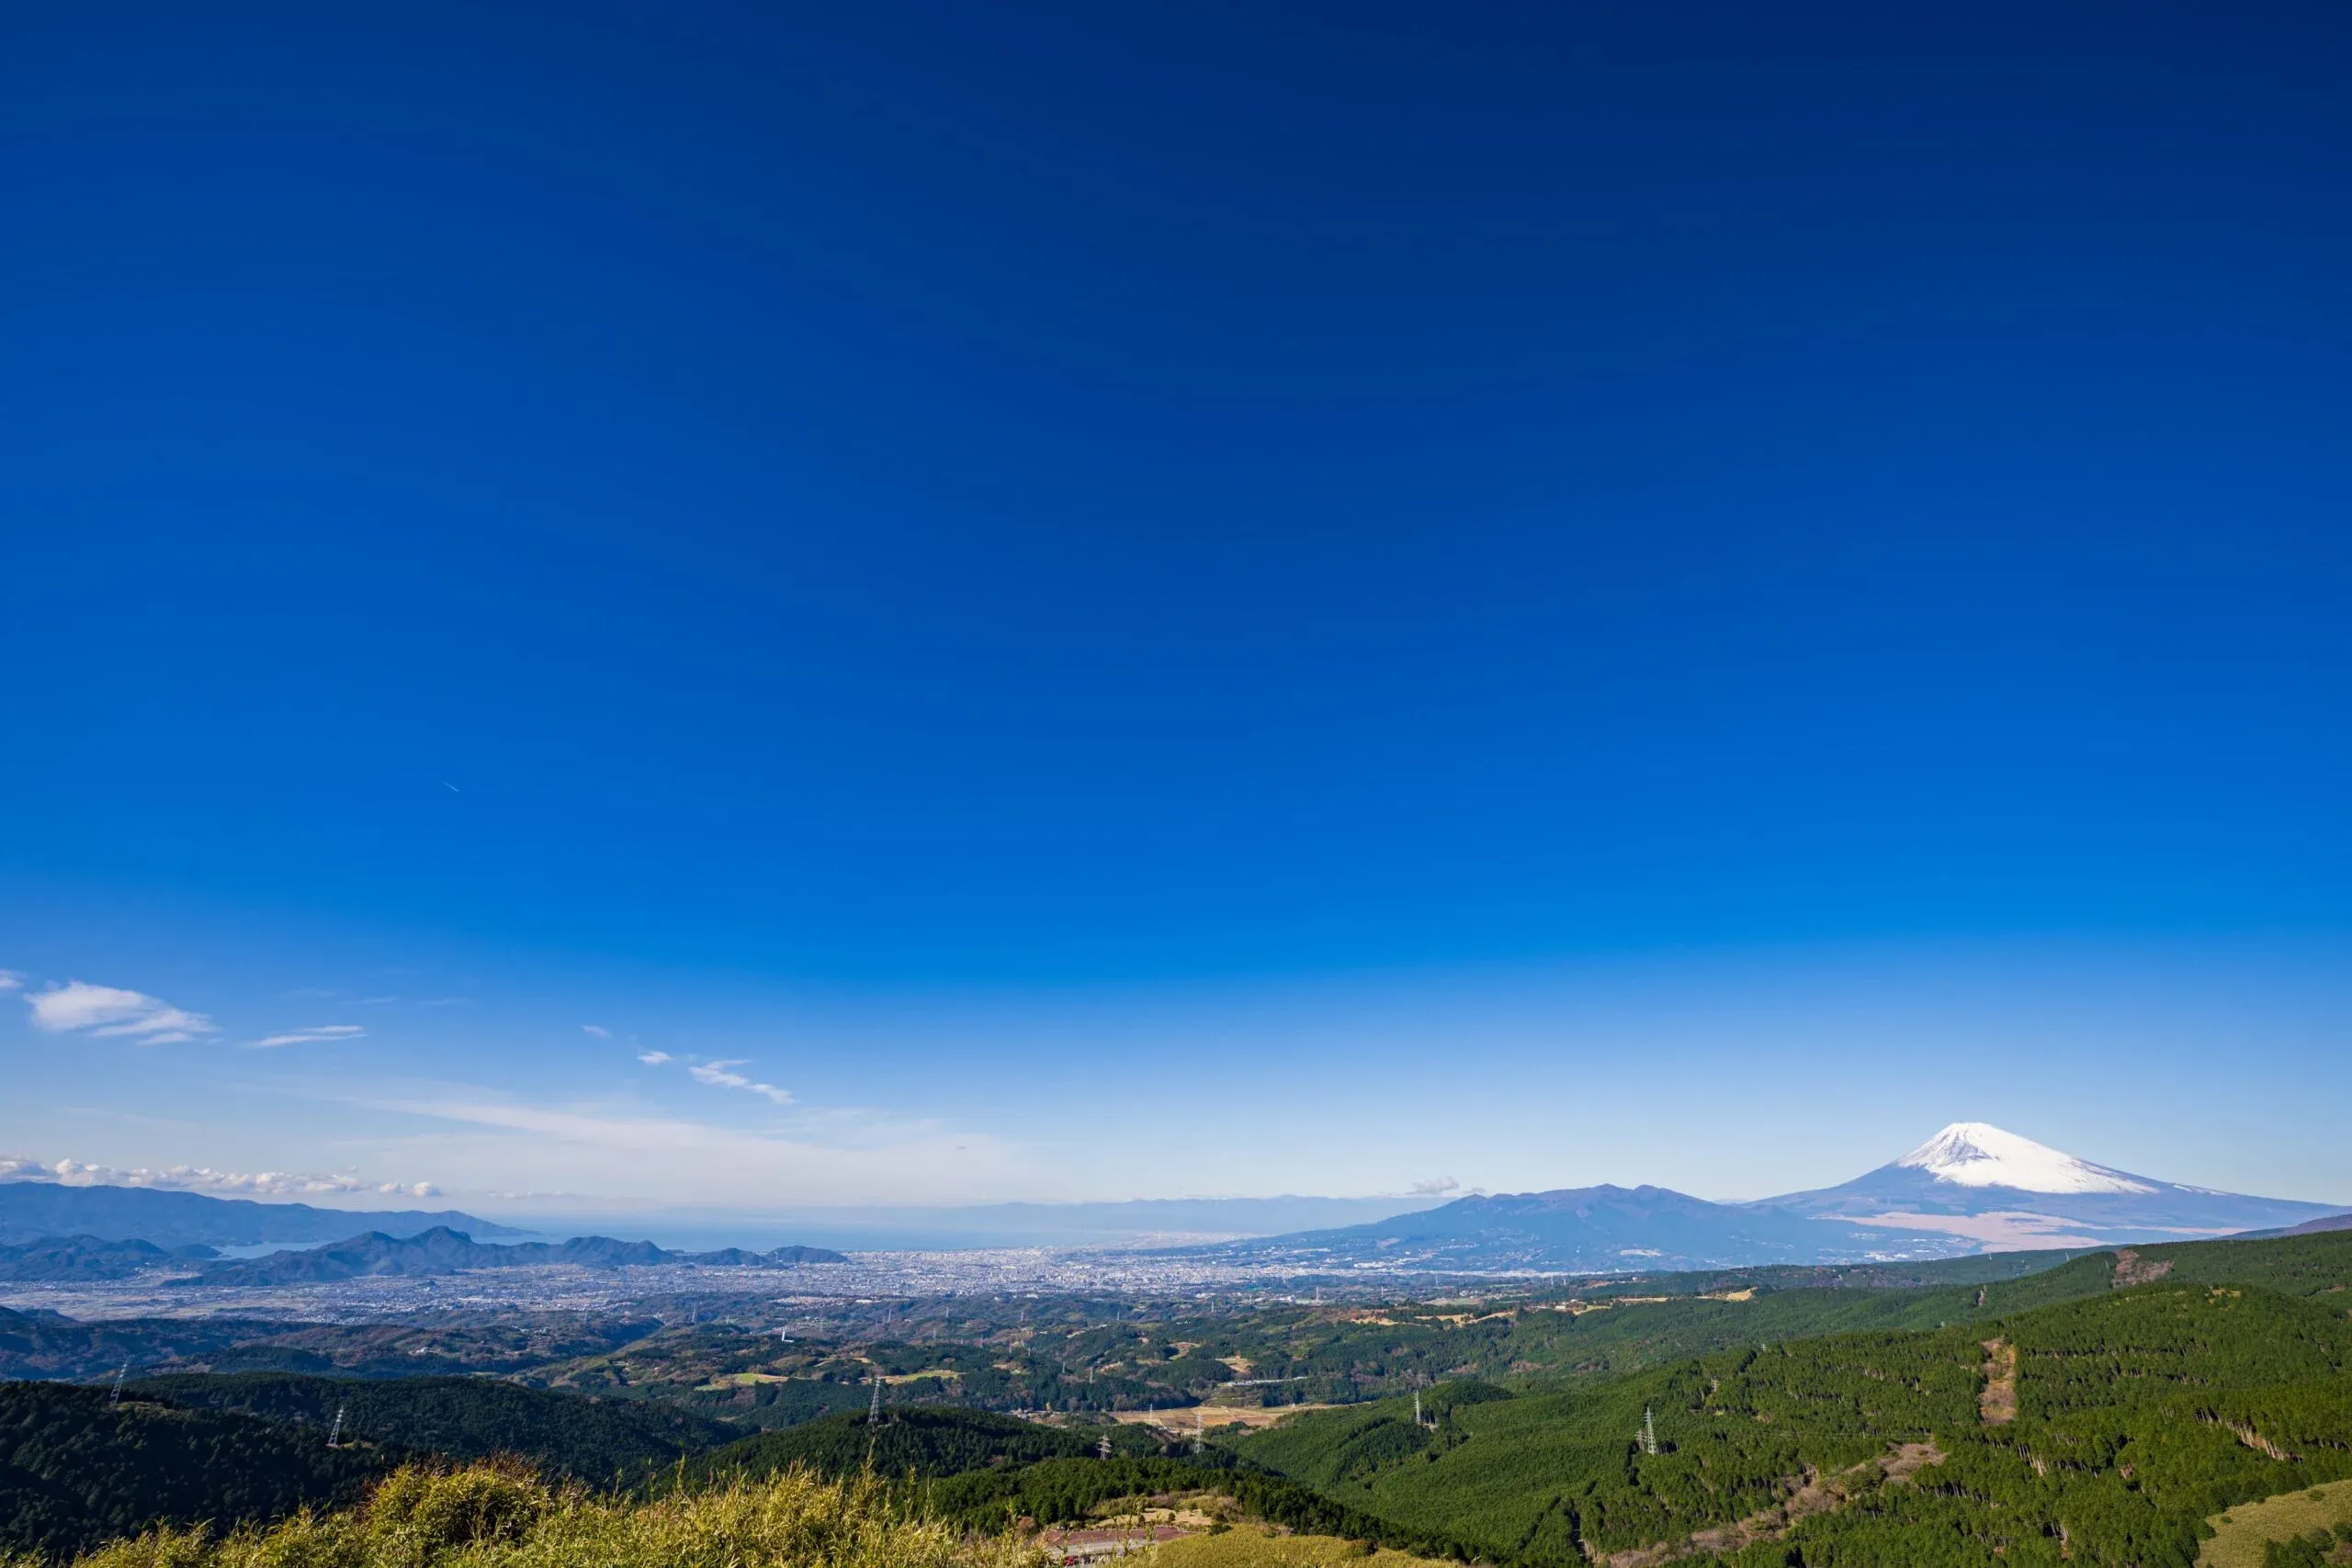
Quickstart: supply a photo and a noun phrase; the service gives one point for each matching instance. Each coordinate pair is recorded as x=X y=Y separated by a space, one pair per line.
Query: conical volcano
x=1975 y=1182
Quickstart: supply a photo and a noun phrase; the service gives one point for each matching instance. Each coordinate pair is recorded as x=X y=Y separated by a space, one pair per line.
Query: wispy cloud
x=597 y=1030
x=11 y=981
x=79 y=1007
x=603 y=1148
x=306 y=1036
x=203 y=1178
x=1436 y=1187
x=655 y=1058
x=721 y=1075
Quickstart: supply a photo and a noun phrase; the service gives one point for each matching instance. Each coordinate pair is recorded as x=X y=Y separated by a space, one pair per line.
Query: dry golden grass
x=1249 y=1546
x=490 y=1515
x=2241 y=1532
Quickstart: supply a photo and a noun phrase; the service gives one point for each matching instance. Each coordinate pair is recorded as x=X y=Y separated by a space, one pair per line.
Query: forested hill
x=48 y=1344
x=2097 y=1430
x=915 y=1440
x=76 y=1468
x=80 y=1257
x=441 y=1250
x=566 y=1435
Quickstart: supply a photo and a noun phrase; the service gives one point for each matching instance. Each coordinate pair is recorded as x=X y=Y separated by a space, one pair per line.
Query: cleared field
x=1251 y=1546
x=2240 y=1534
x=1179 y=1423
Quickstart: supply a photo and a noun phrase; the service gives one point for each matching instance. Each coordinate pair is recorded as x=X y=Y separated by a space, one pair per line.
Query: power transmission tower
x=1197 y=1428
x=335 y=1438
x=118 y=1383
x=874 y=1419
x=1649 y=1433
x=1417 y=1409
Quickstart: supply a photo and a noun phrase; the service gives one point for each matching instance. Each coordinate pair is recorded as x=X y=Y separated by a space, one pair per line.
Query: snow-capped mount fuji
x=1977 y=1154
x=1978 y=1186
x=1972 y=1188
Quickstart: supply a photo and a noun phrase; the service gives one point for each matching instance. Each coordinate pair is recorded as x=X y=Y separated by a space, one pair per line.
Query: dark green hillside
x=2312 y=1265
x=1075 y=1359
x=76 y=1469
x=2138 y=1413
x=563 y=1434
x=1537 y=1345
x=922 y=1441
x=47 y=1344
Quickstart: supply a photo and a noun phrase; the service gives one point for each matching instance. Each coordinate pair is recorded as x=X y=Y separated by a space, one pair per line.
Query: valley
x=2001 y=1404
x=2053 y=1403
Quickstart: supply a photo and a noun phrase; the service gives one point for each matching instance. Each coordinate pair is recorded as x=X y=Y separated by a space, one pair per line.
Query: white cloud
x=599 y=1149
x=655 y=1058
x=1436 y=1187
x=598 y=1030
x=720 y=1075
x=305 y=1036
x=203 y=1178
x=109 y=1010
x=11 y=981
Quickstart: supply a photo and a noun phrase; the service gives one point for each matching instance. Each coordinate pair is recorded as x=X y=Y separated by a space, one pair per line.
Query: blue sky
x=1108 y=603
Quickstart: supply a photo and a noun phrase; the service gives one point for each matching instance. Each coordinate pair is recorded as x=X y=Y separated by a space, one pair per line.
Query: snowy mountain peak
x=1975 y=1154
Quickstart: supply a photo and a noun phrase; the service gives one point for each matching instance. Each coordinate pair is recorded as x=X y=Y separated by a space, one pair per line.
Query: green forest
x=2137 y=1413
x=2098 y=1411
x=567 y=1436
x=77 y=1468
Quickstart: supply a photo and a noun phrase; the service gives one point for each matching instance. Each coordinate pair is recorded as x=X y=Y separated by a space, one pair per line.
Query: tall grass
x=501 y=1516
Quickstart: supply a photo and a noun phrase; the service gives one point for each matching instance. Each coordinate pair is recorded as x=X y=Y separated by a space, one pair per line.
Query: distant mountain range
x=1167 y=1221
x=1972 y=1188
x=30 y=1211
x=64 y=1260
x=441 y=1250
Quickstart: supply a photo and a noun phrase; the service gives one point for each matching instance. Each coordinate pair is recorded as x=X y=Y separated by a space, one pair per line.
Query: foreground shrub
x=499 y=1516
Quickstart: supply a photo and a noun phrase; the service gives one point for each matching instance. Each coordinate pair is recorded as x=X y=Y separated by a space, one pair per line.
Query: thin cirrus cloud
x=323 y=1031
x=584 y=1148
x=78 y=1007
x=655 y=1058
x=721 y=1075
x=597 y=1030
